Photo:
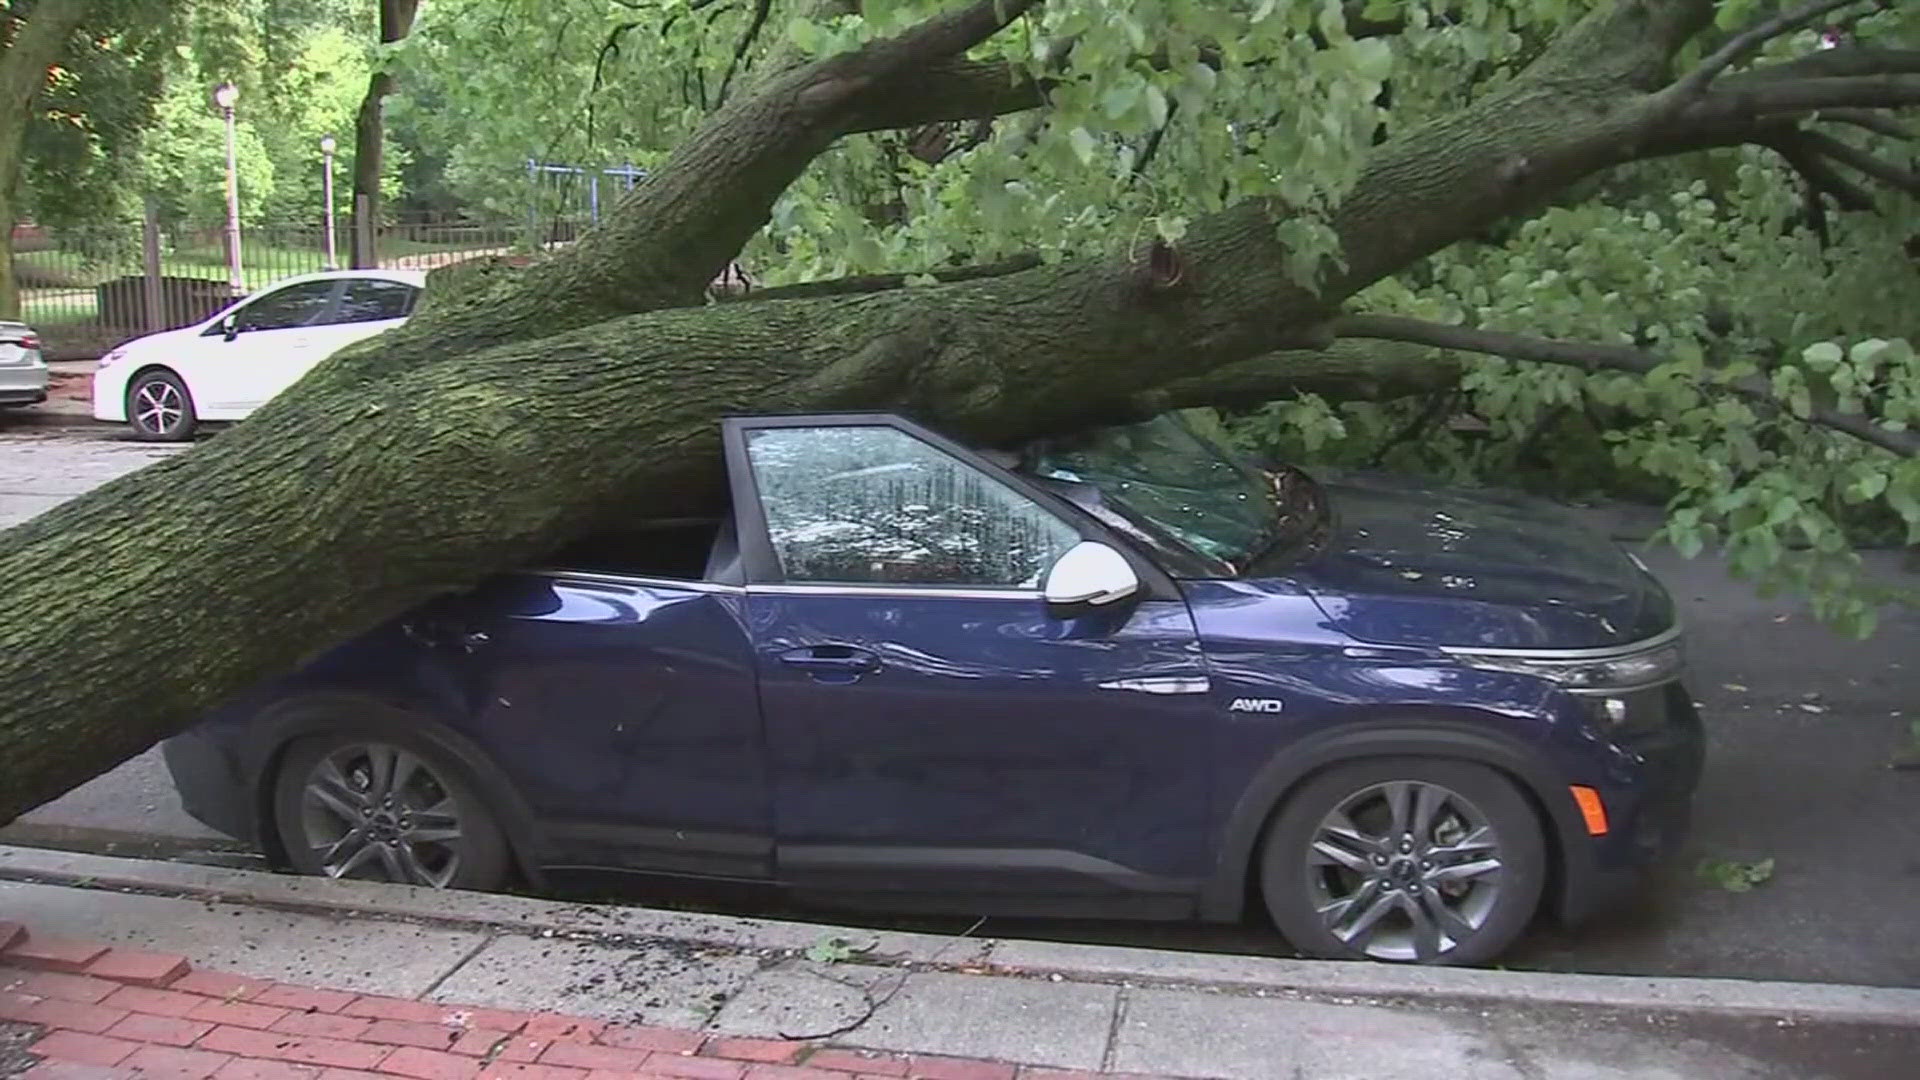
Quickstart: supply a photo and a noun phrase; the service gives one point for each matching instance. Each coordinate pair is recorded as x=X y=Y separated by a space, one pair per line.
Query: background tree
x=369 y=127
x=36 y=37
x=1189 y=203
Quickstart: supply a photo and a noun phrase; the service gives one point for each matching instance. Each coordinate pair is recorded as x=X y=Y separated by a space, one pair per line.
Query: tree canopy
x=1748 y=241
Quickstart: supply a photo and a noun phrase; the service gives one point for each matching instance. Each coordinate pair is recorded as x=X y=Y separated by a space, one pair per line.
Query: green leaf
x=1868 y=486
x=1821 y=355
x=1083 y=144
x=1735 y=876
x=835 y=950
x=1372 y=58
x=805 y=34
x=1800 y=402
x=1156 y=106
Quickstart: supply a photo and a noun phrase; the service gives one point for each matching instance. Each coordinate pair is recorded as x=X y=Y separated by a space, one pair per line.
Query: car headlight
x=1591 y=672
x=114 y=356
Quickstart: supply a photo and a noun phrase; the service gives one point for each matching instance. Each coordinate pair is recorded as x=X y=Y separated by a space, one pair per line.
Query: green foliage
x=131 y=115
x=1708 y=265
x=837 y=950
x=97 y=104
x=1733 y=876
x=1162 y=111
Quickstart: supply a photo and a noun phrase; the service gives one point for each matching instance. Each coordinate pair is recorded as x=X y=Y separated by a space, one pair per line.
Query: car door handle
x=832 y=663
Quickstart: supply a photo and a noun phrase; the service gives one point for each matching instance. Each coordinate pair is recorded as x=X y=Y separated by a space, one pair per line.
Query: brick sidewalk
x=110 y=1012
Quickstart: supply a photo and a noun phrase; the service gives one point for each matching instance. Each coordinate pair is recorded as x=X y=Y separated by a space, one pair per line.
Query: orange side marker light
x=1591 y=809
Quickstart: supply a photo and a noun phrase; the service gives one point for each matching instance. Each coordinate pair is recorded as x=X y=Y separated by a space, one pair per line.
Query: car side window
x=372 y=300
x=875 y=505
x=304 y=304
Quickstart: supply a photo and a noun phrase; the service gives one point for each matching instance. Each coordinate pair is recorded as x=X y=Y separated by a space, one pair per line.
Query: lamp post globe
x=225 y=95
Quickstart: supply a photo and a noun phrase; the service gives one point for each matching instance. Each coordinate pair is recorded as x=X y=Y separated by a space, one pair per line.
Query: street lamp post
x=327 y=147
x=224 y=96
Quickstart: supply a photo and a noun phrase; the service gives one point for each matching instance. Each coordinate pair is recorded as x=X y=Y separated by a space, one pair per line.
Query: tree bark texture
x=519 y=407
x=37 y=44
x=370 y=134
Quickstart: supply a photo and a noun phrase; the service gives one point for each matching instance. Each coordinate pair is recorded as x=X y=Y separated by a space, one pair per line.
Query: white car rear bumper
x=23 y=384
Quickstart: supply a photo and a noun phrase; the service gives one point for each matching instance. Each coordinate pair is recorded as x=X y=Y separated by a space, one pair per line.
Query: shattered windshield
x=1165 y=471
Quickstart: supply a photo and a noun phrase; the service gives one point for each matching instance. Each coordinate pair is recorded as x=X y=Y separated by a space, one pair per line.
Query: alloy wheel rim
x=158 y=407
x=1404 y=870
x=377 y=812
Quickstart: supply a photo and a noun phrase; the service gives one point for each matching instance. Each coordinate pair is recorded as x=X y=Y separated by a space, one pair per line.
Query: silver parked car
x=23 y=374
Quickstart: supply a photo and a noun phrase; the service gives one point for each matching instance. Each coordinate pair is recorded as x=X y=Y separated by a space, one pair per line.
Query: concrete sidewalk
x=960 y=1007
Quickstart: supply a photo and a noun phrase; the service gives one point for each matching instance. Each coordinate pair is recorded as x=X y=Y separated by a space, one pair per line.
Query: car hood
x=1407 y=562
x=162 y=340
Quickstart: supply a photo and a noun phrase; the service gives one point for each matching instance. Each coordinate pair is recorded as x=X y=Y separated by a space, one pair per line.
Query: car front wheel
x=160 y=408
x=1425 y=860
x=387 y=808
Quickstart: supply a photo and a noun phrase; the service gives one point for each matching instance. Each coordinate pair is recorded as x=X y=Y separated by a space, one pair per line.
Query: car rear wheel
x=160 y=408
x=388 y=808
x=1425 y=860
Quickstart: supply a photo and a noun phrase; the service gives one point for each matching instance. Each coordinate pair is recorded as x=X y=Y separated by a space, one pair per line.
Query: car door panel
x=626 y=711
x=932 y=724
x=279 y=339
x=990 y=746
x=366 y=306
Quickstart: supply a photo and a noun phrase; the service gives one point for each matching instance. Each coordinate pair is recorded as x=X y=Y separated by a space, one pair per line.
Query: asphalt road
x=1803 y=725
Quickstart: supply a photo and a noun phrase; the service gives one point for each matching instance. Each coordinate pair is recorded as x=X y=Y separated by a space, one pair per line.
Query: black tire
x=159 y=408
x=1427 y=895
x=401 y=834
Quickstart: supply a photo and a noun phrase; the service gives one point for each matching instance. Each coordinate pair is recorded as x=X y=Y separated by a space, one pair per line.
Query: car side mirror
x=230 y=327
x=1090 y=573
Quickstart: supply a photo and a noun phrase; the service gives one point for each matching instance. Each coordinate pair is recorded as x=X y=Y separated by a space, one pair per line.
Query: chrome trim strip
x=895 y=590
x=1605 y=652
x=1163 y=684
x=605 y=578
x=785 y=590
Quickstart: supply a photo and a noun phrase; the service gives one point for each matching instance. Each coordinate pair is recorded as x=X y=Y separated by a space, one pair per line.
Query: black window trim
x=761 y=566
x=348 y=282
x=335 y=288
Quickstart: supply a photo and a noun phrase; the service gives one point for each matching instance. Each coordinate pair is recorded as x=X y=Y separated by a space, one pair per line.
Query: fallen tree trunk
x=520 y=407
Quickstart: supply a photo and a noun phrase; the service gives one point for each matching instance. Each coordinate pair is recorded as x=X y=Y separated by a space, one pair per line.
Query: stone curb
x=1830 y=1002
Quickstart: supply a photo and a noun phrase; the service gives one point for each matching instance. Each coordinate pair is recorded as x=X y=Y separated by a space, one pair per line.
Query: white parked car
x=166 y=384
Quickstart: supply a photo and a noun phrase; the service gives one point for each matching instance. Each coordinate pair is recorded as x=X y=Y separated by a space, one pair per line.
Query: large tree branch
x=1795 y=149
x=1867 y=120
x=1831 y=63
x=761 y=9
x=1592 y=356
x=1347 y=370
x=1863 y=162
x=951 y=90
x=941 y=37
x=1779 y=96
x=1746 y=43
x=679 y=228
x=871 y=283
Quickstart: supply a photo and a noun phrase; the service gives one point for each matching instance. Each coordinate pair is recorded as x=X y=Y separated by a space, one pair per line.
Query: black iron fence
x=86 y=290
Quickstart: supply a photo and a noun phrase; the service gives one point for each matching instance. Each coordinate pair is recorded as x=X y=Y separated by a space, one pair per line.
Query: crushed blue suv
x=1127 y=673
